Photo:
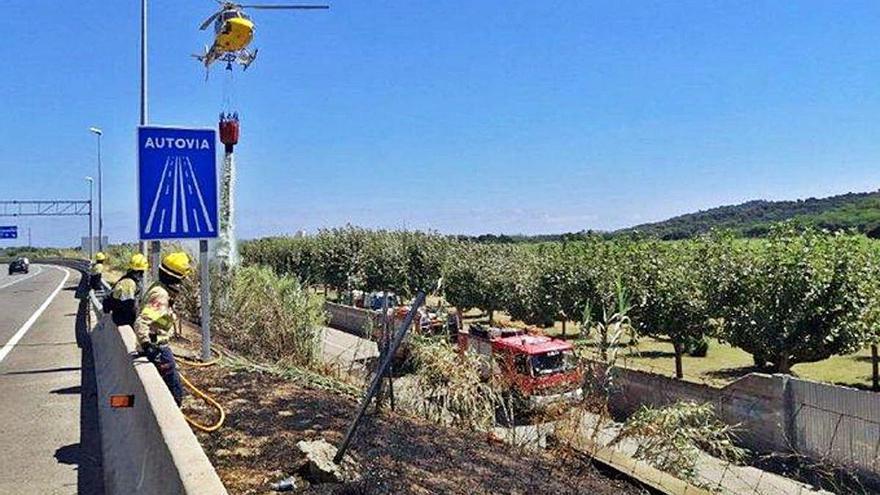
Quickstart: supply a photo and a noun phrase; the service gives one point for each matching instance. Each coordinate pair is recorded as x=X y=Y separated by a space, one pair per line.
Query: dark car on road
x=21 y=265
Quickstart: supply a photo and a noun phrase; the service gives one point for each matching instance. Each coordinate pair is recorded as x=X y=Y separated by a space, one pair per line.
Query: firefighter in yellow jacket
x=97 y=271
x=155 y=323
x=122 y=302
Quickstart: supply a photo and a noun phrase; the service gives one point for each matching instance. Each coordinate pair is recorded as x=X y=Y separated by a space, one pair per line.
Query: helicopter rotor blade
x=209 y=20
x=286 y=7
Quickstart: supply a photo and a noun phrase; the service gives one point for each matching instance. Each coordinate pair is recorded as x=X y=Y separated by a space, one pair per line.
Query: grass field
x=725 y=364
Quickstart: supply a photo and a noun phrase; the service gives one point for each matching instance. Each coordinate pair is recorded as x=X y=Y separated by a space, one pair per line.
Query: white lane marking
x=39 y=271
x=162 y=220
x=208 y=224
x=174 y=195
x=183 y=203
x=149 y=226
x=30 y=322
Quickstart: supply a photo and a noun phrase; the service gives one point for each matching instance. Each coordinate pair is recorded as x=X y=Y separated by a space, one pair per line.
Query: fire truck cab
x=541 y=369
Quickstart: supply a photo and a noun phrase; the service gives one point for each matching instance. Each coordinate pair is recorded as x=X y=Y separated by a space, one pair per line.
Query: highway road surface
x=49 y=440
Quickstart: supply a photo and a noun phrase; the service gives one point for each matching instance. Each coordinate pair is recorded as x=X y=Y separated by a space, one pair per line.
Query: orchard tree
x=424 y=256
x=673 y=302
x=341 y=252
x=293 y=256
x=479 y=276
x=797 y=297
x=565 y=282
x=383 y=263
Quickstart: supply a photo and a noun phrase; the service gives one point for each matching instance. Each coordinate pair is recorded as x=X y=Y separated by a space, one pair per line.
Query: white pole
x=91 y=222
x=142 y=245
x=100 y=199
x=98 y=132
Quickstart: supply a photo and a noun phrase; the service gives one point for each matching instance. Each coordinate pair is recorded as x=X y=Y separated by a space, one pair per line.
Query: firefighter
x=155 y=323
x=97 y=271
x=122 y=303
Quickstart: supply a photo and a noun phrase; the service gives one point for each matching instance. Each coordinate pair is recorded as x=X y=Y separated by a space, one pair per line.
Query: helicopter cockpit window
x=229 y=14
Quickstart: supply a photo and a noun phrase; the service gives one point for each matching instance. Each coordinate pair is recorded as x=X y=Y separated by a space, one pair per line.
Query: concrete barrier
x=831 y=424
x=147 y=448
x=355 y=321
x=755 y=402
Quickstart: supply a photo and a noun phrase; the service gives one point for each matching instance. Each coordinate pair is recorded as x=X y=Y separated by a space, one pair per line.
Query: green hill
x=858 y=211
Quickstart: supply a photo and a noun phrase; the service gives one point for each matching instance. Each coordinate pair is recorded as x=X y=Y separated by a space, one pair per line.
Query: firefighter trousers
x=164 y=362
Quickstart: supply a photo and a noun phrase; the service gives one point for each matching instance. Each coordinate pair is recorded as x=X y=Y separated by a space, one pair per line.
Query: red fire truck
x=541 y=370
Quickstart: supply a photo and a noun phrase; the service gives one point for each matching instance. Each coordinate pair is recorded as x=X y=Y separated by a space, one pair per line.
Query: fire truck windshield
x=553 y=362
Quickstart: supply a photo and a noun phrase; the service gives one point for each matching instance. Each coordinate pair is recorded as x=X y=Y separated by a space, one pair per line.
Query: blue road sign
x=8 y=232
x=177 y=183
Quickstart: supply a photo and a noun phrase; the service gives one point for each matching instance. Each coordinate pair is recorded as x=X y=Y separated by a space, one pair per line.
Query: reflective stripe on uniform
x=157 y=318
x=125 y=289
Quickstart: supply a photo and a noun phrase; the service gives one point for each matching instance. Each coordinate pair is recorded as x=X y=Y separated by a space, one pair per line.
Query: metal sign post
x=205 y=293
x=380 y=373
x=49 y=208
x=177 y=196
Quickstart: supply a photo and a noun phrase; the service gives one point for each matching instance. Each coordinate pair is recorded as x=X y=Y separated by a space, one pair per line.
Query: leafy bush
x=698 y=348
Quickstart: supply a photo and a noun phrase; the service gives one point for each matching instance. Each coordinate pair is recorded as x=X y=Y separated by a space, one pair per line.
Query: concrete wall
x=776 y=413
x=350 y=319
x=148 y=448
x=755 y=401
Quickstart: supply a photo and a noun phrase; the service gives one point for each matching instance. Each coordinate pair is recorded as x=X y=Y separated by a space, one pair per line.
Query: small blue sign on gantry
x=177 y=183
x=8 y=232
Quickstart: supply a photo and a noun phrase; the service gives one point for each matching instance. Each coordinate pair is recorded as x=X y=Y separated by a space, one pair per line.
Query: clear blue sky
x=464 y=117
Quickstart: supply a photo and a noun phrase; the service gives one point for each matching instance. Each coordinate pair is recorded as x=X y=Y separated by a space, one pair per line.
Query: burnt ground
x=267 y=415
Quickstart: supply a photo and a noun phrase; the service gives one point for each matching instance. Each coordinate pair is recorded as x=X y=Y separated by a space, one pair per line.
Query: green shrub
x=698 y=348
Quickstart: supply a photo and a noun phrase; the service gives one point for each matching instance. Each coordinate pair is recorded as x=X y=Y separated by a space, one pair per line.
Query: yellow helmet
x=100 y=256
x=138 y=263
x=176 y=264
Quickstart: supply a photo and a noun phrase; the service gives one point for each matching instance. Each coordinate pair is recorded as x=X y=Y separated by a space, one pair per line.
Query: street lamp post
x=155 y=247
x=144 y=120
x=91 y=236
x=97 y=132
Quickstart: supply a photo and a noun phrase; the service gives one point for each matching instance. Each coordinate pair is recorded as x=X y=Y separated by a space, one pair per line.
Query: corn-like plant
x=448 y=389
x=261 y=314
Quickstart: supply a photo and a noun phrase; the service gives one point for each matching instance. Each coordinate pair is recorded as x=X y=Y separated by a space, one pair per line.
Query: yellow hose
x=202 y=364
x=207 y=398
x=210 y=400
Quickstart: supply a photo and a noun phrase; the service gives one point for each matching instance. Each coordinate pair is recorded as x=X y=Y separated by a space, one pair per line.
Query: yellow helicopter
x=234 y=31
